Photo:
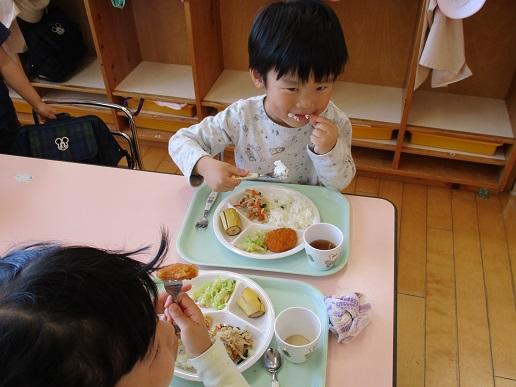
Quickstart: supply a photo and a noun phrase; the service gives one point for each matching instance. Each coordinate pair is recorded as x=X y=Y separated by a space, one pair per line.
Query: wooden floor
x=456 y=281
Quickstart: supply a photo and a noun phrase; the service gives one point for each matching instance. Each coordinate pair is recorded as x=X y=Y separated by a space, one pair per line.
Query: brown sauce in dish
x=322 y=244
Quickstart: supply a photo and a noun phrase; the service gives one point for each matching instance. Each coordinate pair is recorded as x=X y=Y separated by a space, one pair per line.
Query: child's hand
x=162 y=298
x=45 y=111
x=189 y=318
x=324 y=136
x=219 y=174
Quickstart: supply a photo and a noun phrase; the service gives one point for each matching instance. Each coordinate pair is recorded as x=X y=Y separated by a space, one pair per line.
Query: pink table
x=124 y=209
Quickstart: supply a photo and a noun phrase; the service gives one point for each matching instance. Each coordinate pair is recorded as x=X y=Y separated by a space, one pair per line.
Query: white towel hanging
x=443 y=53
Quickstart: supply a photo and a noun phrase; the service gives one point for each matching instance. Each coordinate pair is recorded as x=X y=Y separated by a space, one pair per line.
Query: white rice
x=289 y=211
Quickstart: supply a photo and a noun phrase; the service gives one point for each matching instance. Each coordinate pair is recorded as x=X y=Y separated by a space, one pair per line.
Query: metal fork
x=202 y=223
x=254 y=175
x=173 y=287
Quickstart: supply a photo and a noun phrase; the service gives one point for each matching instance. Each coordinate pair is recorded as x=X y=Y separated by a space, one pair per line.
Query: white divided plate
x=262 y=328
x=270 y=193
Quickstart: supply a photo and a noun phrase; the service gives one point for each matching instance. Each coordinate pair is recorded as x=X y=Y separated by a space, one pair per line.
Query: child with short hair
x=82 y=316
x=296 y=52
x=12 y=73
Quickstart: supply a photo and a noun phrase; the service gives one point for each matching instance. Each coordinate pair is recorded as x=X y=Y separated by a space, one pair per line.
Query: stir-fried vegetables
x=237 y=341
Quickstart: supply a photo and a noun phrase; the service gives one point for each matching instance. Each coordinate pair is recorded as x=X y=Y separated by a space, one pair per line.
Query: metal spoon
x=272 y=363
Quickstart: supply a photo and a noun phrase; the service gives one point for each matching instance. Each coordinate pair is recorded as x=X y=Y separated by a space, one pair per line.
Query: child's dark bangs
x=302 y=38
x=318 y=60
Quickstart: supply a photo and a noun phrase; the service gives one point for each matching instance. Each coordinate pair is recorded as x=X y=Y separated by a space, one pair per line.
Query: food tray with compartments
x=203 y=248
x=284 y=294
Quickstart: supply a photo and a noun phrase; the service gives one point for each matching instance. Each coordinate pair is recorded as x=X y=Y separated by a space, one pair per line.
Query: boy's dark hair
x=74 y=316
x=298 y=37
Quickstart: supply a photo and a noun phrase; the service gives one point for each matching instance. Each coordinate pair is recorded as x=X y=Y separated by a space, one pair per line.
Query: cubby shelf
x=195 y=52
x=229 y=87
x=369 y=102
x=461 y=113
x=88 y=78
x=168 y=82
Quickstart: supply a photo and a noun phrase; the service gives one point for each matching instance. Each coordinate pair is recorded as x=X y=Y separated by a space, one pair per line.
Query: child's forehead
x=294 y=78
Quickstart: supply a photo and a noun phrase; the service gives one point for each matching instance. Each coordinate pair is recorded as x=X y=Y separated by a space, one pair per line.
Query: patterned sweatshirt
x=259 y=142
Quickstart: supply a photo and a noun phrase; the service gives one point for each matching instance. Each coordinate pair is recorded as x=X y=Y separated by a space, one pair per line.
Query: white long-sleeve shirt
x=216 y=369
x=259 y=142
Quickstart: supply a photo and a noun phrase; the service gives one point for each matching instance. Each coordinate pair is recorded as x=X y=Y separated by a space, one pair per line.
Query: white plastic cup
x=323 y=259
x=297 y=321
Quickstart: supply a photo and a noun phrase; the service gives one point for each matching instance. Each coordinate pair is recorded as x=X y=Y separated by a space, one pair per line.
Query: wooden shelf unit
x=481 y=108
x=196 y=52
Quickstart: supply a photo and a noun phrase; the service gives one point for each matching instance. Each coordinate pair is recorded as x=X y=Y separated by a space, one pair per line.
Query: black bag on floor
x=84 y=139
x=55 y=47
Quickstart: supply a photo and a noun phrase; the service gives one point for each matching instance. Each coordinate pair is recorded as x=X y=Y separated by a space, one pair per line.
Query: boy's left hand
x=325 y=134
x=45 y=111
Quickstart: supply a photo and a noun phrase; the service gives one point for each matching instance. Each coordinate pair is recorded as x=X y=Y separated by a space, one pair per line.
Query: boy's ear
x=257 y=78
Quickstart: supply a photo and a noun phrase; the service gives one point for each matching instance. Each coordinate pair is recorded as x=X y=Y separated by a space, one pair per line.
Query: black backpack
x=84 y=139
x=55 y=47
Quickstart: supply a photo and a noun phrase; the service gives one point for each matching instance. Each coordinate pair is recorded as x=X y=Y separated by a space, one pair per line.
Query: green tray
x=284 y=294
x=202 y=247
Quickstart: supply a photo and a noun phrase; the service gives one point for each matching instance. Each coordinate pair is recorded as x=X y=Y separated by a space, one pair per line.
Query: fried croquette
x=281 y=239
x=178 y=271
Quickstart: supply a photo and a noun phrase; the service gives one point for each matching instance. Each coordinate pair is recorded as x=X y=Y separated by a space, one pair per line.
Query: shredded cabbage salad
x=254 y=243
x=214 y=294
